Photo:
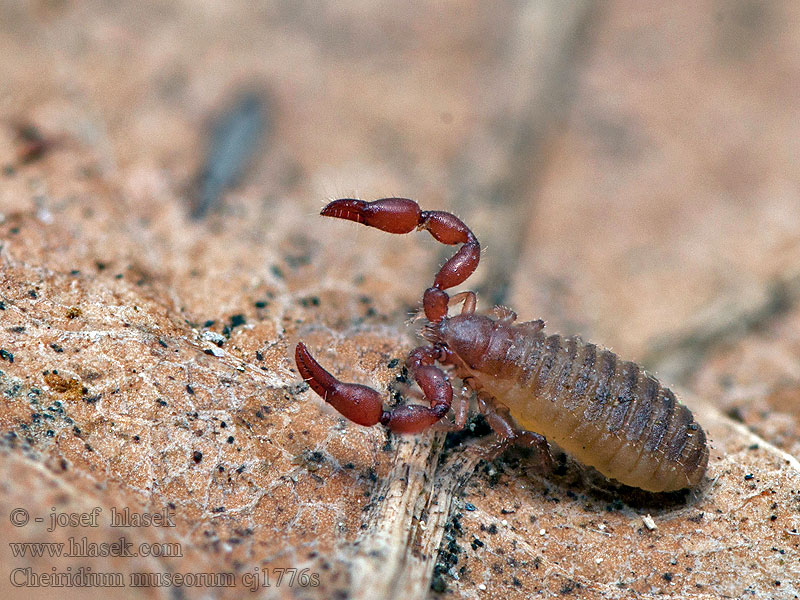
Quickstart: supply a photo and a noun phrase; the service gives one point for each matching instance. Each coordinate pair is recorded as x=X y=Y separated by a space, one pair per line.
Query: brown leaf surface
x=630 y=171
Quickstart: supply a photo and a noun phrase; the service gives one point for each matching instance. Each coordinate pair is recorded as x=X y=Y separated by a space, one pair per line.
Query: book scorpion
x=607 y=413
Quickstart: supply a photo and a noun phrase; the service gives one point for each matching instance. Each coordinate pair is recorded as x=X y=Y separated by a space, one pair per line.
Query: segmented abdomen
x=607 y=413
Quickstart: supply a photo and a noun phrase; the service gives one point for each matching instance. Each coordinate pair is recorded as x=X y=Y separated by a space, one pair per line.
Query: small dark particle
x=615 y=505
x=32 y=144
x=197 y=456
x=92 y=399
x=162 y=343
x=569 y=587
x=748 y=477
x=56 y=347
x=438 y=584
x=230 y=439
x=218 y=509
x=469 y=506
x=101 y=266
x=136 y=438
x=477 y=427
x=773 y=517
x=208 y=351
x=561 y=469
x=393 y=363
x=309 y=301
x=235 y=136
x=261 y=304
x=476 y=543
x=240 y=470
x=296 y=261
x=189 y=390
x=223 y=424
x=2 y=305
x=753 y=447
x=237 y=320
x=736 y=414
x=33 y=294
x=697 y=518
x=162 y=402
x=209 y=323
x=259 y=356
x=17 y=329
x=6 y=355
x=276 y=270
x=667 y=576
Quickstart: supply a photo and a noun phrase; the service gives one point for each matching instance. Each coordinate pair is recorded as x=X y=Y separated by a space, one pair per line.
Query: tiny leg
x=468 y=298
x=499 y=420
x=460 y=408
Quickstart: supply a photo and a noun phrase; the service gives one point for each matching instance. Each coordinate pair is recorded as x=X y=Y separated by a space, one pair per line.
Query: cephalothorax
x=606 y=412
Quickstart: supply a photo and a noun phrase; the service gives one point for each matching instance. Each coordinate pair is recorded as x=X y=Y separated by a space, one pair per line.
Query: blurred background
x=631 y=170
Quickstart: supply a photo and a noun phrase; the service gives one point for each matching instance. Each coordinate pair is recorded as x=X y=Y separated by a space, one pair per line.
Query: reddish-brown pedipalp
x=364 y=405
x=607 y=413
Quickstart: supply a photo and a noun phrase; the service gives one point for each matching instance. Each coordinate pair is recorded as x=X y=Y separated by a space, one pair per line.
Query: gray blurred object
x=236 y=134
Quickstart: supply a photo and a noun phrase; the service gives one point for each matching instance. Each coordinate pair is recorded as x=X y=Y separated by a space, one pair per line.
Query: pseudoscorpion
x=531 y=386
